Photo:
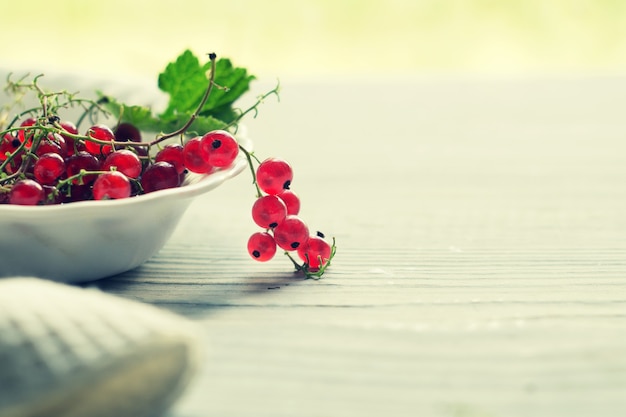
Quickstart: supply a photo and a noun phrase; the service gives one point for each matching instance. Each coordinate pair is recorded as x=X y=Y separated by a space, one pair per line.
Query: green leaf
x=225 y=113
x=235 y=82
x=185 y=81
x=140 y=116
x=205 y=124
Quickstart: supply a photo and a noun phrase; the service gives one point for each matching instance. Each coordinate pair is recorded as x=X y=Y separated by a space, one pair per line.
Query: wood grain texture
x=481 y=268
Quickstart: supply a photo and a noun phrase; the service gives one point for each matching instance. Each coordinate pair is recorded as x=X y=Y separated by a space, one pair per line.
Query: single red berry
x=261 y=246
x=8 y=144
x=82 y=161
x=102 y=133
x=52 y=143
x=27 y=134
x=268 y=211
x=127 y=132
x=159 y=176
x=219 y=148
x=192 y=156
x=274 y=175
x=124 y=161
x=71 y=144
x=48 y=168
x=172 y=153
x=69 y=127
x=26 y=192
x=291 y=233
x=291 y=200
x=111 y=185
x=315 y=252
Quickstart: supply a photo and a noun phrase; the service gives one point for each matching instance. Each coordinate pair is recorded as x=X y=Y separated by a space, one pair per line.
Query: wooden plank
x=490 y=332
x=481 y=227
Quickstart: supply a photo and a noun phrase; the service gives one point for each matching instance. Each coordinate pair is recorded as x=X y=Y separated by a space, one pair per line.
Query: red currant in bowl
x=219 y=148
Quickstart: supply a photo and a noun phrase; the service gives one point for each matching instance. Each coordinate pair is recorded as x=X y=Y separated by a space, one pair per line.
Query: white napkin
x=68 y=351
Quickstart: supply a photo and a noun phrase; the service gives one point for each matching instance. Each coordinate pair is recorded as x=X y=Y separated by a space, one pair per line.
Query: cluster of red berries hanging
x=47 y=162
x=276 y=211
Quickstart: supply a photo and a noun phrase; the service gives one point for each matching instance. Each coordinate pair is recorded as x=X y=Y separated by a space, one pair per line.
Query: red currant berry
x=125 y=161
x=291 y=233
x=268 y=211
x=192 y=156
x=219 y=148
x=26 y=193
x=69 y=127
x=111 y=185
x=127 y=132
x=261 y=246
x=172 y=153
x=82 y=161
x=315 y=252
x=72 y=145
x=159 y=176
x=8 y=145
x=291 y=200
x=103 y=133
x=26 y=134
x=274 y=175
x=48 y=168
x=52 y=143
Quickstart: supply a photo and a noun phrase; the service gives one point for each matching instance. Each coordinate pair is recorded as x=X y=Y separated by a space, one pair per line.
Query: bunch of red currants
x=50 y=163
x=276 y=210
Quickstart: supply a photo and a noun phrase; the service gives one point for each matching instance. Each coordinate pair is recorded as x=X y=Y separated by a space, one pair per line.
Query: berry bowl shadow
x=89 y=240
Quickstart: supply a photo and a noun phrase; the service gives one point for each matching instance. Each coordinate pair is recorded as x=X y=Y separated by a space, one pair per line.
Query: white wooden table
x=481 y=265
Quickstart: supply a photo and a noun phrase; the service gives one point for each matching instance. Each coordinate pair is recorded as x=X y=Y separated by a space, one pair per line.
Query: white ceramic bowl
x=89 y=240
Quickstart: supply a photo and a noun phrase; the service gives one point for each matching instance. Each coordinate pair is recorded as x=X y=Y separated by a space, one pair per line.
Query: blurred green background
x=318 y=38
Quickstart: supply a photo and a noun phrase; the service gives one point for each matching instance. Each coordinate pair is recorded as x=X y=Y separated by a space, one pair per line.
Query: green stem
x=83 y=172
x=20 y=115
x=304 y=268
x=249 y=157
x=69 y=180
x=254 y=107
